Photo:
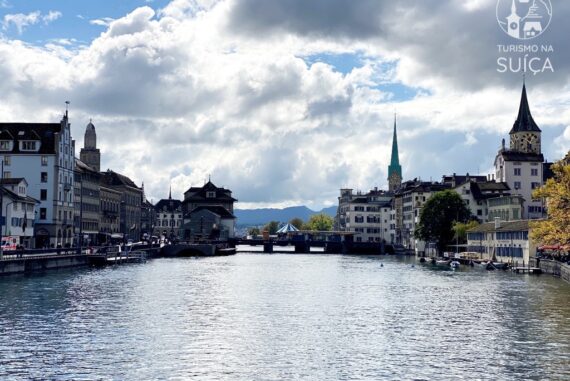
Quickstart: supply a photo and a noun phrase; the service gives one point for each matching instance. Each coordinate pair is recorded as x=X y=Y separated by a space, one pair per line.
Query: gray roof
x=505 y=226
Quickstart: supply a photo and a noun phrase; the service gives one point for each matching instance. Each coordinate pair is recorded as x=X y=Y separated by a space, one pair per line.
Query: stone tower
x=394 y=169
x=90 y=154
x=525 y=134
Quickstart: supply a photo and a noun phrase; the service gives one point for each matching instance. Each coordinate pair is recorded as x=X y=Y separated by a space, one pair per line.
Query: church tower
x=525 y=134
x=394 y=169
x=90 y=154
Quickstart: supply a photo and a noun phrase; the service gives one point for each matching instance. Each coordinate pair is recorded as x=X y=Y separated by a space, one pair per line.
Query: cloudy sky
x=284 y=102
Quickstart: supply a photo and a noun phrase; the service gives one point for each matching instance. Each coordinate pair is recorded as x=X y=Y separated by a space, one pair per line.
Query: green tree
x=555 y=230
x=253 y=231
x=438 y=215
x=320 y=222
x=460 y=230
x=297 y=222
x=272 y=227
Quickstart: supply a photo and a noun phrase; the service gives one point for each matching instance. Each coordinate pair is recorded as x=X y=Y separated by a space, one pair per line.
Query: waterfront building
x=43 y=154
x=206 y=209
x=521 y=165
x=409 y=200
x=18 y=211
x=169 y=217
x=130 y=204
x=502 y=241
x=367 y=215
x=477 y=195
x=87 y=204
x=110 y=209
x=148 y=217
x=394 y=169
x=455 y=180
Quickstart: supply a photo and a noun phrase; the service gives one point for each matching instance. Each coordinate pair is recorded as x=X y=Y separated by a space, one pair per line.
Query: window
x=44 y=161
x=7 y=175
x=29 y=145
x=517 y=171
x=43 y=213
x=7 y=160
x=534 y=185
x=5 y=145
x=44 y=177
x=210 y=194
x=517 y=185
x=43 y=194
x=534 y=171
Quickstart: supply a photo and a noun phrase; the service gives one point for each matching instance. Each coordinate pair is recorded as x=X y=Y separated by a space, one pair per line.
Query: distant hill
x=253 y=217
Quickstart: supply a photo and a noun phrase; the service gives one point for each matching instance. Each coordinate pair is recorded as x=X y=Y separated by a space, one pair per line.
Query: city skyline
x=279 y=103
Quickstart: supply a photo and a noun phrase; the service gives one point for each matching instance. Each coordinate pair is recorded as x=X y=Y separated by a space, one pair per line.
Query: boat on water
x=443 y=262
x=490 y=265
x=454 y=265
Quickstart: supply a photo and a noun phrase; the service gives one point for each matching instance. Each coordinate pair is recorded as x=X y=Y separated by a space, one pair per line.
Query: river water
x=283 y=317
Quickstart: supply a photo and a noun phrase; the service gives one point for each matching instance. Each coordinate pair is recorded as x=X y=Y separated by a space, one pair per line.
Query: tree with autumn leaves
x=555 y=230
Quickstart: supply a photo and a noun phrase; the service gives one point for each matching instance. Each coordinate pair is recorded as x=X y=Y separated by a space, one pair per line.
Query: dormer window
x=211 y=194
x=5 y=145
x=29 y=145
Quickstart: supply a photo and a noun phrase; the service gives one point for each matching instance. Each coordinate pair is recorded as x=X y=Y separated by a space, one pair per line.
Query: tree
x=272 y=227
x=460 y=229
x=555 y=230
x=297 y=222
x=319 y=222
x=438 y=215
x=253 y=231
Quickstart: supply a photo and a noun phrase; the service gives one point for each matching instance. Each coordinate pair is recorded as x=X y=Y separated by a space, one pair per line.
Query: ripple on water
x=275 y=317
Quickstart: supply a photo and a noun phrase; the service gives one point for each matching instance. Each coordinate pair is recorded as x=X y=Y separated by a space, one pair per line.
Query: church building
x=521 y=165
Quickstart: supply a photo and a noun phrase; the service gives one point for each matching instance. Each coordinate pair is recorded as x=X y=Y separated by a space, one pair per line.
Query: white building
x=521 y=165
x=367 y=215
x=18 y=210
x=502 y=241
x=477 y=195
x=43 y=154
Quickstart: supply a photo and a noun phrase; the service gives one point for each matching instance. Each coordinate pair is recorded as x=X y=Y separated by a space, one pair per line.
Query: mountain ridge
x=261 y=216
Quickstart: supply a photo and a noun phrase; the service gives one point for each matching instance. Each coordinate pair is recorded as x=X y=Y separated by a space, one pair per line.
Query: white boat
x=454 y=264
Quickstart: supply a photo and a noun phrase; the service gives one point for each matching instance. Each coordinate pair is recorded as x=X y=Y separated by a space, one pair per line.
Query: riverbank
x=555 y=268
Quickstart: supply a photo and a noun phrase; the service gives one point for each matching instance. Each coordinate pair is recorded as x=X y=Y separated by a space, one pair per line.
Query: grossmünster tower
x=394 y=169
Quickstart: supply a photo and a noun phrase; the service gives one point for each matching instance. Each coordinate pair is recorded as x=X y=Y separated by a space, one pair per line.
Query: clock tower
x=525 y=134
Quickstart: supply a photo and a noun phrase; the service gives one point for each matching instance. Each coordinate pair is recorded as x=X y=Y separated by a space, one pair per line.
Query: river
x=283 y=317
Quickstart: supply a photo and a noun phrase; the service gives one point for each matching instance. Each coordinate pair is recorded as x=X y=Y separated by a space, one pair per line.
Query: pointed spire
x=394 y=169
x=170 y=192
x=524 y=121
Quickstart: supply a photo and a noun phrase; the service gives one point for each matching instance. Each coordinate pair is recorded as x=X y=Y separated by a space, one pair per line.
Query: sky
x=283 y=102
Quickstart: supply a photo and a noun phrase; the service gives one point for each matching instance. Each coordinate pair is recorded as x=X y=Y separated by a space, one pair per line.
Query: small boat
x=454 y=264
x=444 y=262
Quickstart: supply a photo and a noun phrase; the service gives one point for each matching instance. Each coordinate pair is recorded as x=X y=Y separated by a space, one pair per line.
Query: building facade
x=87 y=204
x=477 y=195
x=43 y=154
x=130 y=204
x=18 y=211
x=110 y=209
x=367 y=215
x=220 y=204
x=502 y=241
x=169 y=217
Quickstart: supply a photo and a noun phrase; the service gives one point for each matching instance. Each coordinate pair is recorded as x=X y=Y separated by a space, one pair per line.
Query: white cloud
x=194 y=90
x=21 y=21
x=105 y=21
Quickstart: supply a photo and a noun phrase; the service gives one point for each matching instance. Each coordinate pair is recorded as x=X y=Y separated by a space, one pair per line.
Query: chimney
x=497 y=222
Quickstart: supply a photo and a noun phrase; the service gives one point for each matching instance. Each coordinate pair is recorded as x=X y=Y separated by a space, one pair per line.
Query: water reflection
x=275 y=317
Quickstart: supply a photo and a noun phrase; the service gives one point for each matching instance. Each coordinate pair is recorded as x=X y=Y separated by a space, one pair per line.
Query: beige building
x=87 y=204
x=502 y=241
x=110 y=211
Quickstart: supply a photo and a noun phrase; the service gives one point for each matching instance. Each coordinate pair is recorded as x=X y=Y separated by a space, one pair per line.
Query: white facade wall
x=522 y=178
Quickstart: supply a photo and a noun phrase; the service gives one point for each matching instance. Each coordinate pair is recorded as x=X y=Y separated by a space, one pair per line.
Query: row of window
x=518 y=171
x=515 y=252
x=25 y=145
x=19 y=222
x=171 y=223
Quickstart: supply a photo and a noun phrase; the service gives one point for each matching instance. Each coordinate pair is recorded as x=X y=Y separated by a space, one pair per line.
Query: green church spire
x=394 y=169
